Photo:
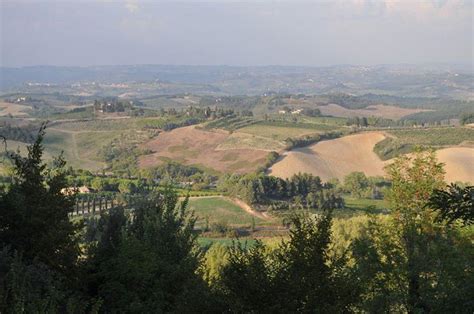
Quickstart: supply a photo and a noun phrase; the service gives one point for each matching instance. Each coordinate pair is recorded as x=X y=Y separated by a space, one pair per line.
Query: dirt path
x=246 y=207
x=249 y=209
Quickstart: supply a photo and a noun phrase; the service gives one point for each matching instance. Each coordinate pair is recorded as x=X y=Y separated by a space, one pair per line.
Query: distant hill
x=438 y=80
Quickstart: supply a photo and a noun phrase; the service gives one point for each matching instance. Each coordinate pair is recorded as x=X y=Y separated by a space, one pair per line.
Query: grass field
x=230 y=123
x=220 y=210
x=323 y=120
x=99 y=125
x=278 y=133
x=366 y=205
x=240 y=140
x=57 y=141
x=435 y=137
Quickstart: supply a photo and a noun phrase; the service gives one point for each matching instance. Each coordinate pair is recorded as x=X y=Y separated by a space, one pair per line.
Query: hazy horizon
x=262 y=33
x=420 y=64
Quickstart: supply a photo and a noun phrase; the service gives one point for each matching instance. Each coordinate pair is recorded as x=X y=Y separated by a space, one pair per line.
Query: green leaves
x=453 y=204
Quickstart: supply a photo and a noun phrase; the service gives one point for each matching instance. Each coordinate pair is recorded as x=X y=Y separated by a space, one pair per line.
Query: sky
x=223 y=32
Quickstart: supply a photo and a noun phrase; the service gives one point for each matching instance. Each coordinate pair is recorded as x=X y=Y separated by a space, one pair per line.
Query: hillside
x=193 y=146
x=339 y=157
x=333 y=158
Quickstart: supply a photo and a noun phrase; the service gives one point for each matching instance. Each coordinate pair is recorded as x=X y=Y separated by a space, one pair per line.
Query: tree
x=126 y=186
x=149 y=262
x=453 y=204
x=39 y=246
x=413 y=181
x=409 y=263
x=467 y=118
x=356 y=183
x=34 y=212
x=364 y=122
x=300 y=275
x=99 y=184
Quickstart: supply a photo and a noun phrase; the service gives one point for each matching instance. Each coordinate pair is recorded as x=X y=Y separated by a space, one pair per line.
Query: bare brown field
x=193 y=146
x=459 y=163
x=339 y=157
x=382 y=111
x=13 y=109
x=334 y=158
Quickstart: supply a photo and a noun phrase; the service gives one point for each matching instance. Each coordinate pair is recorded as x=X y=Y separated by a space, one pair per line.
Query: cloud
x=132 y=6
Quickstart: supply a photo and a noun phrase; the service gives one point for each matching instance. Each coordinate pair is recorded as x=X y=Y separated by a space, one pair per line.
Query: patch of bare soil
x=459 y=163
x=193 y=146
x=334 y=159
x=15 y=110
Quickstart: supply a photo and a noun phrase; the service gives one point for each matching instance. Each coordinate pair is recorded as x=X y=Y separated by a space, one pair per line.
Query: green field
x=366 y=205
x=99 y=125
x=282 y=130
x=230 y=123
x=220 y=210
x=241 y=140
x=278 y=133
x=306 y=120
x=435 y=137
x=207 y=242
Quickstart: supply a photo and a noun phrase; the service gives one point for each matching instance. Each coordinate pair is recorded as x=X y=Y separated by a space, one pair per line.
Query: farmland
x=280 y=131
x=333 y=158
x=193 y=146
x=339 y=157
x=458 y=163
x=221 y=210
x=403 y=141
x=383 y=111
x=15 y=110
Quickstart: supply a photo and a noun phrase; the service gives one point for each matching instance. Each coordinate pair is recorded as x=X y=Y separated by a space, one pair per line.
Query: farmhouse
x=81 y=190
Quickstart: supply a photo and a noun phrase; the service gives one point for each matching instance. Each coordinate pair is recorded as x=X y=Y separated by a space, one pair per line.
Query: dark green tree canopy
x=454 y=203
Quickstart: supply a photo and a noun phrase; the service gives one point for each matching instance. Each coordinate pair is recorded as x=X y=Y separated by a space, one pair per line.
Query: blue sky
x=262 y=32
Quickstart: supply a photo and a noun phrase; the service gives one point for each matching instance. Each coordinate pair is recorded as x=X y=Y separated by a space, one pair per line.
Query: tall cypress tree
x=34 y=212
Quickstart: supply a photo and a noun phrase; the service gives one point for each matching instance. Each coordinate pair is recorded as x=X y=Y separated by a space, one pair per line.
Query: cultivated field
x=334 y=158
x=276 y=132
x=77 y=152
x=219 y=209
x=459 y=163
x=13 y=109
x=193 y=146
x=382 y=111
x=403 y=141
x=239 y=140
x=339 y=157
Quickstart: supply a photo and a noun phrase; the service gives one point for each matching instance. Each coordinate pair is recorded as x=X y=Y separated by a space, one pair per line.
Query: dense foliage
x=311 y=139
x=300 y=275
x=467 y=118
x=454 y=203
x=301 y=190
x=25 y=133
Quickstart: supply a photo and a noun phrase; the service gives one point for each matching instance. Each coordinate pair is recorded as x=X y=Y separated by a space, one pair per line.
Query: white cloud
x=132 y=6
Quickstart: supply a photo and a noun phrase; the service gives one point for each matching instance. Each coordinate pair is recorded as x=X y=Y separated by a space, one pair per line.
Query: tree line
x=301 y=190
